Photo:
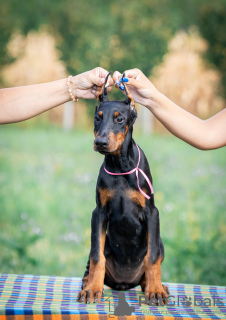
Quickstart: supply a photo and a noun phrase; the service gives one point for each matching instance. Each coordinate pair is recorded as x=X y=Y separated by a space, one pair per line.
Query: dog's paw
x=157 y=295
x=166 y=289
x=89 y=296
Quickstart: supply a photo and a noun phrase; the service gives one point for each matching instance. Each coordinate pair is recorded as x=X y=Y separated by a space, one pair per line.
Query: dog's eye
x=120 y=119
x=97 y=119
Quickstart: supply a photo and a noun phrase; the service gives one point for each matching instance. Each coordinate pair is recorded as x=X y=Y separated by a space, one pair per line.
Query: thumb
x=135 y=83
x=97 y=80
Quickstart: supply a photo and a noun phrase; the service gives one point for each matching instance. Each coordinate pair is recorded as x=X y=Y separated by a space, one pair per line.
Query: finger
x=134 y=82
x=122 y=87
x=99 y=88
x=116 y=76
x=96 y=92
x=96 y=88
x=97 y=80
x=102 y=73
x=134 y=73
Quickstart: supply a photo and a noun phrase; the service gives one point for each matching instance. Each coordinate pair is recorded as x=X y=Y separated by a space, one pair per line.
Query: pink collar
x=137 y=169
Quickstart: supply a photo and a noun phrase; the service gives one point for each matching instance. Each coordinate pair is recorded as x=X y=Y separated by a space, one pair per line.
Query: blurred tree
x=212 y=25
x=183 y=67
x=116 y=35
x=95 y=33
x=210 y=18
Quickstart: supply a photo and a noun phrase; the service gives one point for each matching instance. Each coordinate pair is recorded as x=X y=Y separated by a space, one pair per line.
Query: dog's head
x=112 y=121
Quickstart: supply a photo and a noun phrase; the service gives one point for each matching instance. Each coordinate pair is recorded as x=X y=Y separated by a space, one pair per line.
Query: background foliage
x=114 y=34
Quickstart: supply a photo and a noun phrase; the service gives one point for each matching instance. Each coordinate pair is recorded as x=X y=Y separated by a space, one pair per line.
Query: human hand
x=138 y=84
x=87 y=85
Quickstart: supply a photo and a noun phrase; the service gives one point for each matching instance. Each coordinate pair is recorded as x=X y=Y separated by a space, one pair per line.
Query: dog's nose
x=102 y=142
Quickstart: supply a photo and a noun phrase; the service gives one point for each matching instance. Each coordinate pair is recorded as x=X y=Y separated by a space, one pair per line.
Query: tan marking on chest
x=105 y=196
x=137 y=196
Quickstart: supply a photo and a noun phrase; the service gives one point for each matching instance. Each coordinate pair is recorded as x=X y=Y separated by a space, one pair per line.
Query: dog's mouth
x=112 y=148
x=104 y=151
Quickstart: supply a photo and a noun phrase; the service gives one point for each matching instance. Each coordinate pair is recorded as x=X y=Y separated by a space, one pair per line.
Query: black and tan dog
x=126 y=248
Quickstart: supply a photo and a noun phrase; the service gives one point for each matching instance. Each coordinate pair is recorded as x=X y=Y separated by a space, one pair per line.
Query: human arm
x=21 y=103
x=202 y=134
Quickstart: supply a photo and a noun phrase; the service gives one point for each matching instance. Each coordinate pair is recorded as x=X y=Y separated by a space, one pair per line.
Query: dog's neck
x=127 y=157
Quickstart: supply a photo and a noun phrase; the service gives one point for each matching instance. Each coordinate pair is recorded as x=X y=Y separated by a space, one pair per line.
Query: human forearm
x=178 y=121
x=21 y=103
x=202 y=134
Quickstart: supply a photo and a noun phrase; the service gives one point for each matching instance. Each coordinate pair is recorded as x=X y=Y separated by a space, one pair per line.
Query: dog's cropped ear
x=129 y=98
x=133 y=111
x=103 y=95
x=133 y=115
x=100 y=95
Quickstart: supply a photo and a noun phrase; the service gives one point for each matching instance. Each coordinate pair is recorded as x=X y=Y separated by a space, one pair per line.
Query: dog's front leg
x=95 y=279
x=155 y=255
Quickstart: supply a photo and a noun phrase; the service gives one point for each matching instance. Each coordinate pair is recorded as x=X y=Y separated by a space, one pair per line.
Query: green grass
x=47 y=194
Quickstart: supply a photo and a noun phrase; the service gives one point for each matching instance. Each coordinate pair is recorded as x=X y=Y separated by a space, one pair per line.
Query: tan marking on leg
x=85 y=281
x=137 y=196
x=97 y=273
x=153 y=276
x=105 y=196
x=153 y=284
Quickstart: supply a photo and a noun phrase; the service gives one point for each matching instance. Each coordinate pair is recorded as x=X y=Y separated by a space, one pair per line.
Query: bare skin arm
x=21 y=103
x=202 y=134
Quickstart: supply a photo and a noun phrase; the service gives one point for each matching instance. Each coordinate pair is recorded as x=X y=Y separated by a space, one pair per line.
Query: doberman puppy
x=126 y=248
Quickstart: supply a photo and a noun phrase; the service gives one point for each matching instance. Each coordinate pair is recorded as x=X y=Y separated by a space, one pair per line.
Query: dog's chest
x=126 y=211
x=122 y=190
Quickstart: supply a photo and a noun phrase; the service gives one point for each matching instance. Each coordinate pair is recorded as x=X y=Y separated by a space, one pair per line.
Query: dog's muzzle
x=101 y=143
